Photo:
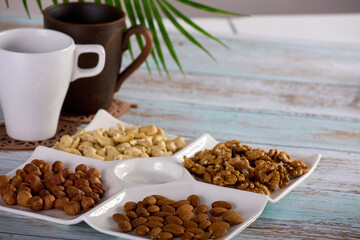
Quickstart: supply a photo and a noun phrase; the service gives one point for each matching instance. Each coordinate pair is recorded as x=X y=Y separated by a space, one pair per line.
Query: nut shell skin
x=60 y=202
x=9 y=197
x=36 y=203
x=87 y=203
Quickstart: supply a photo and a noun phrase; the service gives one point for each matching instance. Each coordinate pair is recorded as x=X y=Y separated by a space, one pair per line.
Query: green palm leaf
x=149 y=18
x=7 y=3
x=97 y=1
x=39 y=5
x=165 y=35
x=109 y=2
x=65 y=1
x=141 y=18
x=183 y=31
x=131 y=15
x=191 y=23
x=55 y=2
x=209 y=9
x=26 y=8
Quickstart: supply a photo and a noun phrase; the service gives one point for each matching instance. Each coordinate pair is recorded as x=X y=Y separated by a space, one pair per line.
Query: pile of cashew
x=121 y=143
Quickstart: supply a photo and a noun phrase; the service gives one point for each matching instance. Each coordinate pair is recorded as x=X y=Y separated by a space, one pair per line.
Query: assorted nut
x=162 y=218
x=233 y=164
x=121 y=143
x=42 y=186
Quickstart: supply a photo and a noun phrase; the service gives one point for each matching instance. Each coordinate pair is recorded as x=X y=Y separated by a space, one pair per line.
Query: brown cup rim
x=120 y=21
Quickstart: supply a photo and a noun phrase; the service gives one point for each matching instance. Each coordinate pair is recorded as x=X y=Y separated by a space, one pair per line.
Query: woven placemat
x=8 y=143
x=116 y=109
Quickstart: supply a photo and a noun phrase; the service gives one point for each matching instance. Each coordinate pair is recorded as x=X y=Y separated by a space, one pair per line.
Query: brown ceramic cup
x=93 y=23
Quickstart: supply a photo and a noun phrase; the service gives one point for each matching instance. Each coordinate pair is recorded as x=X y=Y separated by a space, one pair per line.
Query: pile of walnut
x=163 y=218
x=234 y=164
x=121 y=143
x=41 y=186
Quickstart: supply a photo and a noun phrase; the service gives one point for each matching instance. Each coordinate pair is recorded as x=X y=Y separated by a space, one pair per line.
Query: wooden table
x=302 y=97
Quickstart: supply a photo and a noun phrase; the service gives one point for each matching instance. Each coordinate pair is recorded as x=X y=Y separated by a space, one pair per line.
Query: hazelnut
x=38 y=162
x=82 y=167
x=6 y=188
x=36 y=186
x=80 y=183
x=49 y=201
x=98 y=188
x=16 y=181
x=9 y=197
x=31 y=178
x=68 y=183
x=94 y=179
x=81 y=174
x=23 y=197
x=78 y=198
x=94 y=196
x=48 y=174
x=43 y=193
x=65 y=172
x=4 y=180
x=87 y=203
x=46 y=168
x=36 y=203
x=59 y=203
x=73 y=176
x=56 y=179
x=93 y=172
x=57 y=166
x=21 y=173
x=72 y=208
x=86 y=189
x=23 y=188
x=32 y=168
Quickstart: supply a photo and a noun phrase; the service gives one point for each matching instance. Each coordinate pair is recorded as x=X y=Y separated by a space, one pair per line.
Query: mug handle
x=137 y=29
x=88 y=72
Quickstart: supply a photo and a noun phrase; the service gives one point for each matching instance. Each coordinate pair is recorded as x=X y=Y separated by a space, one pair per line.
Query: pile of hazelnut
x=41 y=185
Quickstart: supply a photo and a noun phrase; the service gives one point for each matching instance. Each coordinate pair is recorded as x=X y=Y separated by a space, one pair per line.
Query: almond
x=165 y=202
x=180 y=203
x=138 y=221
x=194 y=200
x=173 y=219
x=189 y=224
x=165 y=236
x=131 y=215
x=217 y=211
x=184 y=208
x=232 y=217
x=150 y=200
x=130 y=206
x=187 y=236
x=153 y=208
x=218 y=229
x=155 y=218
x=162 y=214
x=155 y=232
x=158 y=197
x=120 y=217
x=153 y=224
x=142 y=230
x=168 y=208
x=202 y=208
x=204 y=224
x=175 y=229
x=124 y=226
x=142 y=212
x=195 y=231
x=216 y=219
x=223 y=204
x=203 y=236
x=186 y=215
x=140 y=204
x=201 y=217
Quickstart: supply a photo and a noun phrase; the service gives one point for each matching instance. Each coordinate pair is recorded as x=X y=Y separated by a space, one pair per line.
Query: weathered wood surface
x=299 y=97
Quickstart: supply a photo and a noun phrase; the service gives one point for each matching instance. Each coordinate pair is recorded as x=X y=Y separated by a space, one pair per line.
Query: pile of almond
x=163 y=218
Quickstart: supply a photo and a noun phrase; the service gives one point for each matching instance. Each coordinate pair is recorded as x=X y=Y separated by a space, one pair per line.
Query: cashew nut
x=156 y=152
x=91 y=153
x=133 y=151
x=123 y=138
x=103 y=140
x=149 y=130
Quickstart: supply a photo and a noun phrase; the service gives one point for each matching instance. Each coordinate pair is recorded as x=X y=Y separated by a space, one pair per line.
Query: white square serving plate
x=247 y=204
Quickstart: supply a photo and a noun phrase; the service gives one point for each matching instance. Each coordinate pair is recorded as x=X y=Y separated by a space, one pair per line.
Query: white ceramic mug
x=36 y=68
